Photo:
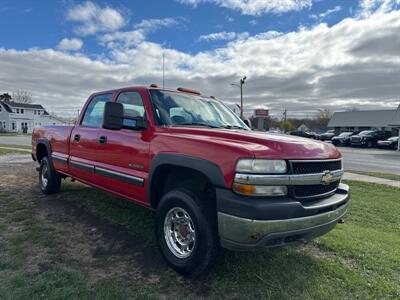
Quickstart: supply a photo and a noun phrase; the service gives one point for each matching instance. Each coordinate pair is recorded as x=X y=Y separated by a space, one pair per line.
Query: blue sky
x=26 y=24
x=338 y=54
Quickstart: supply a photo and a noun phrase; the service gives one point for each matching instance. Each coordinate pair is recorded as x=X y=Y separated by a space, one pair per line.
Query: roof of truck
x=155 y=87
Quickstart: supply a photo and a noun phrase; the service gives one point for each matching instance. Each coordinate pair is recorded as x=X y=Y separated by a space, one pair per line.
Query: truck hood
x=260 y=144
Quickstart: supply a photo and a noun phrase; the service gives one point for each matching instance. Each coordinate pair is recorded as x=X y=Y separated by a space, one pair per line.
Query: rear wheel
x=187 y=232
x=49 y=179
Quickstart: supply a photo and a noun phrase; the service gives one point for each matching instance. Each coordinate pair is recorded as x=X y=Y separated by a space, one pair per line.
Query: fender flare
x=211 y=170
x=47 y=144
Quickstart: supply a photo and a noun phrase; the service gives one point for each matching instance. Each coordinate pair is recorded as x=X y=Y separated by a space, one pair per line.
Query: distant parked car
x=307 y=134
x=342 y=139
x=367 y=138
x=390 y=143
x=327 y=136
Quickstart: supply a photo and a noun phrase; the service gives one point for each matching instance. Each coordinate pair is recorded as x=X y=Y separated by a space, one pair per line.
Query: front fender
x=211 y=170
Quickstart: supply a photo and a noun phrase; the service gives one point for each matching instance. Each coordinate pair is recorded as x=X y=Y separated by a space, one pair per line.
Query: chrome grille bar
x=286 y=179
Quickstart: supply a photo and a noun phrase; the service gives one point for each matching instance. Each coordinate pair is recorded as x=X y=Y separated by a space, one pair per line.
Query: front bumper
x=387 y=145
x=296 y=222
x=358 y=143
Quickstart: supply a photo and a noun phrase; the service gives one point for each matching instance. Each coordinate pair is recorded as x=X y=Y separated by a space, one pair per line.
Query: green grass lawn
x=28 y=147
x=8 y=134
x=358 y=259
x=379 y=175
x=10 y=151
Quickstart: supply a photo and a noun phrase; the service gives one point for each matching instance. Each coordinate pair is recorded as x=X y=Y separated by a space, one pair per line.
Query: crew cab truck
x=211 y=181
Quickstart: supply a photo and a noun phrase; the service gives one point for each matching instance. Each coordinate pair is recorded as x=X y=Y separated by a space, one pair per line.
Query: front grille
x=308 y=192
x=310 y=167
x=313 y=191
x=355 y=139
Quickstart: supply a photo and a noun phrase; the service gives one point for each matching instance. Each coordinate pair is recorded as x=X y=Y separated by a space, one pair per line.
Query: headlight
x=266 y=166
x=259 y=190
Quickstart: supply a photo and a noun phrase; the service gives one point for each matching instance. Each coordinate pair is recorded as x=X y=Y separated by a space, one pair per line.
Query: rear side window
x=94 y=113
x=133 y=106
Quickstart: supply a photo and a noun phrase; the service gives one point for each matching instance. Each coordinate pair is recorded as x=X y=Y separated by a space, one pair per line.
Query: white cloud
x=94 y=19
x=327 y=12
x=150 y=25
x=223 y=36
x=370 y=7
x=253 y=22
x=127 y=39
x=70 y=44
x=354 y=62
x=255 y=7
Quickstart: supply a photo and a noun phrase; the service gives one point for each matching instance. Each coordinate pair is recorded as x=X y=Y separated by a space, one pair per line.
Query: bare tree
x=323 y=115
x=5 y=97
x=22 y=96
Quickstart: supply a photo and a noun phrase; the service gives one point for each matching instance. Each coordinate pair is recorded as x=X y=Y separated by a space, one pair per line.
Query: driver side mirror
x=113 y=116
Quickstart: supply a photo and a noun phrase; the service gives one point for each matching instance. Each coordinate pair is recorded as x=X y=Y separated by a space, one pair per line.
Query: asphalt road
x=371 y=160
x=355 y=159
x=23 y=140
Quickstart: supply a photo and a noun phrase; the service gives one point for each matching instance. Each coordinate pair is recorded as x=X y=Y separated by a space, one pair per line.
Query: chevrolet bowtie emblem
x=327 y=178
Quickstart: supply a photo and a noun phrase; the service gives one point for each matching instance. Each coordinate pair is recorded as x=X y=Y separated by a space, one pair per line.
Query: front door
x=124 y=165
x=84 y=139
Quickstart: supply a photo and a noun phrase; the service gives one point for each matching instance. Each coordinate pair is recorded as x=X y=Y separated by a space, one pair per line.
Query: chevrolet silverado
x=211 y=181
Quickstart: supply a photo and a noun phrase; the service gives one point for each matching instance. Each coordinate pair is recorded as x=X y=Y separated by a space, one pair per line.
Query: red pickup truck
x=211 y=181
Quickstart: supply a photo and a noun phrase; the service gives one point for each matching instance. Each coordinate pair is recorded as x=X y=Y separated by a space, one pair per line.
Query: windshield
x=345 y=134
x=179 y=109
x=365 y=132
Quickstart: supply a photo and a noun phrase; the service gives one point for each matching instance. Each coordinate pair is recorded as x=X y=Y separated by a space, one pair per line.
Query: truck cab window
x=94 y=113
x=133 y=106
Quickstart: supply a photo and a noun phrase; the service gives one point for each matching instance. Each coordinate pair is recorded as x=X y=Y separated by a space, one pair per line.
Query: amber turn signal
x=244 y=189
x=260 y=190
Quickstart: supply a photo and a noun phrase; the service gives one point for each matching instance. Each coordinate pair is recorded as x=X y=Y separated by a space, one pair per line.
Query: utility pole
x=284 y=120
x=163 y=70
x=240 y=85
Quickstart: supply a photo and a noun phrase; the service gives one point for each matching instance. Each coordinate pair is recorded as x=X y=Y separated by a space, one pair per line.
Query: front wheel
x=186 y=231
x=49 y=179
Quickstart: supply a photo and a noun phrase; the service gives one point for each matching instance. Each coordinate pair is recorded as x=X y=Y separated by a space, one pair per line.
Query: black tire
x=49 y=179
x=370 y=144
x=206 y=242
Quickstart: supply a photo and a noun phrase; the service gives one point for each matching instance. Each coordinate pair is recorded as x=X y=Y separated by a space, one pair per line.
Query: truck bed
x=57 y=135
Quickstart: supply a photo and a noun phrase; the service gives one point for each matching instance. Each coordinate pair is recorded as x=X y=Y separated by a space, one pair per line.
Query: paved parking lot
x=371 y=160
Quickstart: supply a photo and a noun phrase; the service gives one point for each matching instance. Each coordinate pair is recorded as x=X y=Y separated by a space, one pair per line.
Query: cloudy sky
x=297 y=54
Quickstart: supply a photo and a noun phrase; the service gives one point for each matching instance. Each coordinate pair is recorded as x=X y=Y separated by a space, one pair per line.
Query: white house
x=15 y=117
x=303 y=127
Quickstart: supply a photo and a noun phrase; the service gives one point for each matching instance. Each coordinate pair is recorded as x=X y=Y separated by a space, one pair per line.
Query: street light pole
x=242 y=80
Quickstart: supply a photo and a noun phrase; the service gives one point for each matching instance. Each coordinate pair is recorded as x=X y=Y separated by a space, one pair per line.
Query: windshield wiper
x=196 y=124
x=232 y=127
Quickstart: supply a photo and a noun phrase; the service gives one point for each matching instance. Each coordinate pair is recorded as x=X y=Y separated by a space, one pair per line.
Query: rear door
x=124 y=166
x=84 y=139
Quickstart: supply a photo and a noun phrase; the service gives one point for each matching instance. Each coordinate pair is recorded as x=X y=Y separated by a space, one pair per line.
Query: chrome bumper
x=245 y=234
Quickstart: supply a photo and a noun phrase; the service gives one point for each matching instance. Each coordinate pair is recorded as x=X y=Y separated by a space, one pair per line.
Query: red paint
x=131 y=152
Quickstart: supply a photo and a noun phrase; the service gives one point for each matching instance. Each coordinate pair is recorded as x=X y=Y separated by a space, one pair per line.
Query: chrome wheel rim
x=44 y=176
x=179 y=232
